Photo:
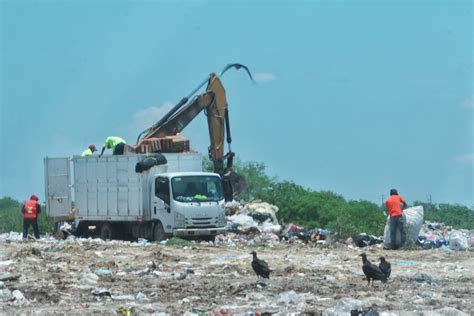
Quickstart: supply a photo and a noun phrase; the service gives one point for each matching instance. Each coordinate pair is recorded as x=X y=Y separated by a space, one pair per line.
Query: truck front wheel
x=158 y=232
x=106 y=231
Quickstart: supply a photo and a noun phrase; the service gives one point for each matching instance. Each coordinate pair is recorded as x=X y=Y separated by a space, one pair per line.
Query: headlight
x=221 y=218
x=179 y=220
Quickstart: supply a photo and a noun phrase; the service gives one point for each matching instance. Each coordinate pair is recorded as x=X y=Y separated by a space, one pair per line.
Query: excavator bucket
x=238 y=183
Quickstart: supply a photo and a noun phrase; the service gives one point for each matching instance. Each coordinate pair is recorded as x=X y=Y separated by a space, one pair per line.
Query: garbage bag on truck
x=149 y=162
x=413 y=219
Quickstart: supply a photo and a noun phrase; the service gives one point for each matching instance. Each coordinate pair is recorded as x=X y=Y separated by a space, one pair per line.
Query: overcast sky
x=354 y=97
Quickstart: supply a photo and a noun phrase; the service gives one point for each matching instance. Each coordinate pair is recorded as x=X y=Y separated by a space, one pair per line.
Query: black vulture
x=260 y=266
x=385 y=266
x=371 y=271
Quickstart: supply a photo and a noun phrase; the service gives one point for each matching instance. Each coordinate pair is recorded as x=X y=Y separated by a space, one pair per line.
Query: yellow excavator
x=160 y=136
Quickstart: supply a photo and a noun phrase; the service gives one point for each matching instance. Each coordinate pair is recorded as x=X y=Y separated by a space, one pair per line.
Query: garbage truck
x=126 y=196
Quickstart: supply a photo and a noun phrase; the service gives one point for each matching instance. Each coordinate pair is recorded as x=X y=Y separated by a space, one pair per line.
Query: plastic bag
x=149 y=162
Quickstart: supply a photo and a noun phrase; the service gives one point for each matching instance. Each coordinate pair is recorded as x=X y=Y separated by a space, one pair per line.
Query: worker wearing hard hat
x=115 y=143
x=88 y=152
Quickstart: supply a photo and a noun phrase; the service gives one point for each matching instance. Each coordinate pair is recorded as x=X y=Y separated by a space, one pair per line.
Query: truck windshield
x=197 y=188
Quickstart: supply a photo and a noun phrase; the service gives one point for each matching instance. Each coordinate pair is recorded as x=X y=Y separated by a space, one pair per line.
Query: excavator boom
x=214 y=103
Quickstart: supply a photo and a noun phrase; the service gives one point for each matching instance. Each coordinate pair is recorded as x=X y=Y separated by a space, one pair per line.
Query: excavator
x=214 y=104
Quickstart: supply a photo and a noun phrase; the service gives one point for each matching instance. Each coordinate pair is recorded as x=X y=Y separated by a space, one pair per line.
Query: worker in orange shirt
x=31 y=210
x=395 y=205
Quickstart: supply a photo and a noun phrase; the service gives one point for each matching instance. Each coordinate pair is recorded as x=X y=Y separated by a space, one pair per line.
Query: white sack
x=458 y=241
x=413 y=218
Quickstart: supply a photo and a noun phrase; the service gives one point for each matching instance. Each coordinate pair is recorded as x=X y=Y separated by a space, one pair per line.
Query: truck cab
x=187 y=204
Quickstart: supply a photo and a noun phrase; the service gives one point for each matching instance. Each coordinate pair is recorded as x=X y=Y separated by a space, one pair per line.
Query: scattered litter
x=5 y=264
x=89 y=279
x=101 y=292
x=400 y=262
x=124 y=311
x=142 y=242
x=102 y=271
x=423 y=278
x=5 y=295
x=18 y=299
x=128 y=297
x=7 y=276
x=11 y=236
x=344 y=307
x=364 y=240
x=448 y=311
x=140 y=296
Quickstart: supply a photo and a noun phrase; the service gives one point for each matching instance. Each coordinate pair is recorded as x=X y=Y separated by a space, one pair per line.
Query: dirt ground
x=90 y=276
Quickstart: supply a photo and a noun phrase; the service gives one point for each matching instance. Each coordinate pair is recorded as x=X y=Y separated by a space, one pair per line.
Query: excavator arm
x=214 y=103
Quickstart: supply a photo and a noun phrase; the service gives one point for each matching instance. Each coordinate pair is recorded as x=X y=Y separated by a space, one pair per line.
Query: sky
x=354 y=97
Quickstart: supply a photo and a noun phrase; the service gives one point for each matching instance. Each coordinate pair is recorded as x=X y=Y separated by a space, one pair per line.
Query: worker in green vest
x=115 y=143
x=88 y=152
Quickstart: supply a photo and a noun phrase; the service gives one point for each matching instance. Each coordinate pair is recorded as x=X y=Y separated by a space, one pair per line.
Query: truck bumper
x=198 y=231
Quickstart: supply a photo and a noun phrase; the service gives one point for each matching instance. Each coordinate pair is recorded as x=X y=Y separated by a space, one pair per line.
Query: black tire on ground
x=158 y=232
x=107 y=231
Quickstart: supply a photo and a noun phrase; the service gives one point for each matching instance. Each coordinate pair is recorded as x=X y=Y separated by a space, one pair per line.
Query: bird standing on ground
x=385 y=266
x=260 y=266
x=371 y=271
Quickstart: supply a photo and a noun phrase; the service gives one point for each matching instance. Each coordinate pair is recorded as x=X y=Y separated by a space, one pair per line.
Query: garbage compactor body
x=118 y=200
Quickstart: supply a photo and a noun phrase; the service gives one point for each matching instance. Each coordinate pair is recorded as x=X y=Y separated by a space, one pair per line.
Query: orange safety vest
x=30 y=209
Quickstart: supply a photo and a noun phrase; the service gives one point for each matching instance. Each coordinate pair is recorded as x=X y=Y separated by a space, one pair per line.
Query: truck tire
x=107 y=231
x=158 y=232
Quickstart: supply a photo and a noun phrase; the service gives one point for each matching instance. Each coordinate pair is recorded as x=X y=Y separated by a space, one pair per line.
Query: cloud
x=467 y=158
x=148 y=116
x=468 y=103
x=145 y=118
x=264 y=77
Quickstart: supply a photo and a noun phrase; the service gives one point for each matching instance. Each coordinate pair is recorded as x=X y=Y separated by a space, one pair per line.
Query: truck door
x=161 y=209
x=58 y=187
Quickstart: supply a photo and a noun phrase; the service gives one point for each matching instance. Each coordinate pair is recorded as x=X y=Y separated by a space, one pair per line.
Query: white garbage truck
x=150 y=196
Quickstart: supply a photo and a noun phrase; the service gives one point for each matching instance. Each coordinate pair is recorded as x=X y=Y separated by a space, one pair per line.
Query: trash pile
x=259 y=219
x=438 y=235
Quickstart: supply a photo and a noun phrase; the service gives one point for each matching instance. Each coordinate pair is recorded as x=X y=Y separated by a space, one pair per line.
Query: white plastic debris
x=11 y=236
x=268 y=227
x=263 y=208
x=18 y=299
x=344 y=307
x=65 y=227
x=140 y=296
x=458 y=241
x=242 y=221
